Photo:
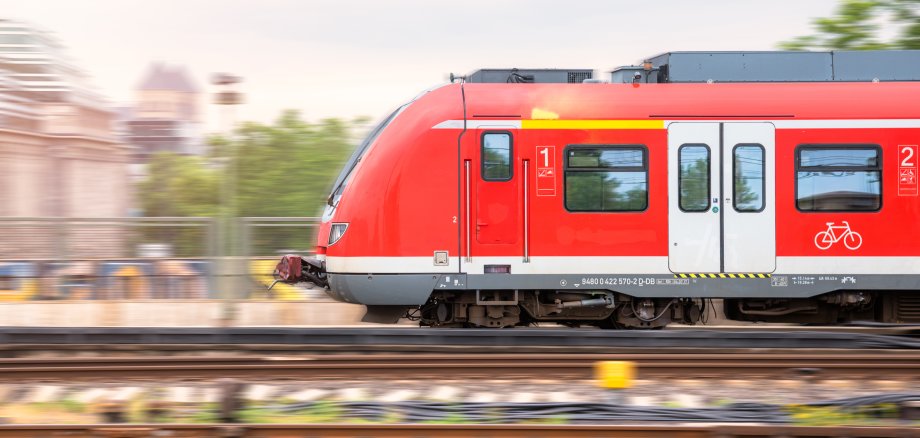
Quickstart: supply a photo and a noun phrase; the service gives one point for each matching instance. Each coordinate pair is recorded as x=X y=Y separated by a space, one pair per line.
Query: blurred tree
x=178 y=185
x=286 y=169
x=167 y=190
x=857 y=23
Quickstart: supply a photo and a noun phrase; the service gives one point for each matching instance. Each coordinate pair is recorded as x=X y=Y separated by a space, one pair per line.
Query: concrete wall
x=188 y=313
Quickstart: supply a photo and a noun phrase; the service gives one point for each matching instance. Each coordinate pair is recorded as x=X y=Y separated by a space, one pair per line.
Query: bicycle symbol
x=827 y=238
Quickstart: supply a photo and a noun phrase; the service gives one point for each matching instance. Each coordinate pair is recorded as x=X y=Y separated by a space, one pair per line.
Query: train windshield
x=355 y=157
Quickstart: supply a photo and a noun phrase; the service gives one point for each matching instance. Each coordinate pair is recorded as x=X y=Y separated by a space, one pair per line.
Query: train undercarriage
x=504 y=308
x=832 y=308
x=613 y=310
x=509 y=308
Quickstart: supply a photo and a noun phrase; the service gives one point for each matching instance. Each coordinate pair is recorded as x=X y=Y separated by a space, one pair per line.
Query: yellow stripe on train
x=721 y=275
x=592 y=124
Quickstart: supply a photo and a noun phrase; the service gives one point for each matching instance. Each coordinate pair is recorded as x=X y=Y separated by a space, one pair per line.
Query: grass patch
x=834 y=416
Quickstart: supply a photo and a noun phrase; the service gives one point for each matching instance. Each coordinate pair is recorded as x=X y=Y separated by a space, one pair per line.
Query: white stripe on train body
x=613 y=265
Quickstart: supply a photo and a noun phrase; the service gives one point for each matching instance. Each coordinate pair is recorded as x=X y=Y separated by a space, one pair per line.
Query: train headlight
x=336 y=231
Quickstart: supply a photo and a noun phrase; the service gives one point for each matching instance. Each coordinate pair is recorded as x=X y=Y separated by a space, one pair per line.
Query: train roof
x=767 y=101
x=737 y=66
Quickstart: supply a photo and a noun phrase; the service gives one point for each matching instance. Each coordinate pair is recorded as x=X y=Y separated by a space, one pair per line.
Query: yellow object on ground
x=615 y=374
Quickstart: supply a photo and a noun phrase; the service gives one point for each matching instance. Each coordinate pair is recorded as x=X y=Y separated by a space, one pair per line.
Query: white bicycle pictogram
x=827 y=238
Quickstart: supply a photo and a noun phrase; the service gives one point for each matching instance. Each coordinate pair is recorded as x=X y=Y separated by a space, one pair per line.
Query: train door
x=491 y=195
x=721 y=206
x=496 y=188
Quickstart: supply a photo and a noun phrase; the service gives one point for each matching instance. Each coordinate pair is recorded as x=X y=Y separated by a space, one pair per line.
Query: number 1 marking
x=545 y=153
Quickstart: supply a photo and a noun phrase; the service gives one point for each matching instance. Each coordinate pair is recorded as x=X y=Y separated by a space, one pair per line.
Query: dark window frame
x=797 y=155
x=708 y=178
x=566 y=169
x=482 y=156
x=763 y=179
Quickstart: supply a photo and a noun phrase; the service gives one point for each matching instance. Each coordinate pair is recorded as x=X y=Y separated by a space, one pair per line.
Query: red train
x=632 y=205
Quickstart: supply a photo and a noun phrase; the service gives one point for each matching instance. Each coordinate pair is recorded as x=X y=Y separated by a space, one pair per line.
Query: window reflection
x=496 y=157
x=606 y=179
x=851 y=157
x=606 y=191
x=605 y=158
x=693 y=178
x=839 y=179
x=829 y=191
x=749 y=184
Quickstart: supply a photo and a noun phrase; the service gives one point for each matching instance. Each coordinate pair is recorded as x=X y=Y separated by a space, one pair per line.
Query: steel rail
x=448 y=430
x=459 y=366
x=473 y=340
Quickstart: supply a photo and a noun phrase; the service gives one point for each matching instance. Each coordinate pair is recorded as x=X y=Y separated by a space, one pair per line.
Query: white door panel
x=750 y=205
x=694 y=233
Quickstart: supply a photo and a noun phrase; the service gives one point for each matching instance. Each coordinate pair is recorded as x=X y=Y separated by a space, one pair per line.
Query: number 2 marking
x=909 y=154
x=545 y=153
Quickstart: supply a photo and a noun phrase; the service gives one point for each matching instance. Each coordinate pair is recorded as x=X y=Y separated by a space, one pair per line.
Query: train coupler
x=294 y=269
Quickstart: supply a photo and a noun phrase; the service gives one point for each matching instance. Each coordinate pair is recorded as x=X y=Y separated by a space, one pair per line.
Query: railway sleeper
x=509 y=308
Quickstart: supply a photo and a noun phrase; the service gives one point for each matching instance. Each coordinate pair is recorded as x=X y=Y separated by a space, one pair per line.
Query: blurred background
x=155 y=152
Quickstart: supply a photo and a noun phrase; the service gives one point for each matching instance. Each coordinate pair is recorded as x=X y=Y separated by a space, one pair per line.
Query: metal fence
x=146 y=258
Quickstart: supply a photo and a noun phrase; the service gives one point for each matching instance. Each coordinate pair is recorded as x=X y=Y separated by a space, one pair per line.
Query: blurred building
x=59 y=155
x=166 y=117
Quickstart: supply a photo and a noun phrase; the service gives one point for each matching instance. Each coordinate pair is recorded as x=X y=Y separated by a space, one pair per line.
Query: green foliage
x=178 y=185
x=175 y=186
x=286 y=169
x=856 y=25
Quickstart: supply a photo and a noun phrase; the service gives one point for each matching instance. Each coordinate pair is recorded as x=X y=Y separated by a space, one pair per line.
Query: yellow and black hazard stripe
x=722 y=275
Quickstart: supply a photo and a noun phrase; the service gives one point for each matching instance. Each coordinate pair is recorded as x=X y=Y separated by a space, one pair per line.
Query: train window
x=496 y=156
x=693 y=177
x=749 y=186
x=606 y=178
x=838 y=178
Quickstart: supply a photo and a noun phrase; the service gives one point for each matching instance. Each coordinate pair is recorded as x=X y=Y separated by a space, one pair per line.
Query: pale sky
x=360 y=57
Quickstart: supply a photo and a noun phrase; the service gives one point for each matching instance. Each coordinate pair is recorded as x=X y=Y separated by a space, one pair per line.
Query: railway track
x=21 y=341
x=887 y=364
x=446 y=430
